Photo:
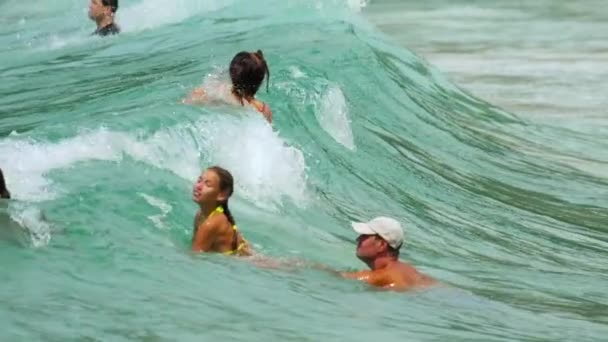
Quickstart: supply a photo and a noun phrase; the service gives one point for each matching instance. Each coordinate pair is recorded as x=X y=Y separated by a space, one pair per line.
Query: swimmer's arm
x=205 y=236
x=197 y=96
x=375 y=278
x=195 y=223
x=361 y=275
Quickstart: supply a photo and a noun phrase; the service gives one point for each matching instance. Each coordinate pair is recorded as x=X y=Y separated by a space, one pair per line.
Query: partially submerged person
x=214 y=227
x=9 y=229
x=102 y=12
x=4 y=193
x=247 y=73
x=378 y=247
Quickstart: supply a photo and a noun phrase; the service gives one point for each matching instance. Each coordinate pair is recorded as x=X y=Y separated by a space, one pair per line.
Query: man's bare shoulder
x=406 y=275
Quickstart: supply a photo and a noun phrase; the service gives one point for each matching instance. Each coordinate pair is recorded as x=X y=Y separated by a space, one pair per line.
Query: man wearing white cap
x=378 y=246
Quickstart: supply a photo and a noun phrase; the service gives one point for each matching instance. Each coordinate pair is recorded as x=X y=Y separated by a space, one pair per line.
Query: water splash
x=332 y=114
x=266 y=169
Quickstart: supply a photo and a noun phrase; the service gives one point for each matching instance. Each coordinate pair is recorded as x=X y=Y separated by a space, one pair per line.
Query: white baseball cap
x=389 y=229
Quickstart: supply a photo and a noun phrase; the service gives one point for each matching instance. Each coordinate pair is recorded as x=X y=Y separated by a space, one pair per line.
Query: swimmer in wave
x=215 y=229
x=247 y=73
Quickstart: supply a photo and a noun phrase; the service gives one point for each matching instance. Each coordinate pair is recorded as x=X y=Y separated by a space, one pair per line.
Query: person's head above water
x=100 y=9
x=102 y=12
x=3 y=190
x=380 y=237
x=213 y=189
x=247 y=72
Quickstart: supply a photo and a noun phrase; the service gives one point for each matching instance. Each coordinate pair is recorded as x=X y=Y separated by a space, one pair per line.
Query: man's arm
x=360 y=275
x=367 y=275
x=375 y=278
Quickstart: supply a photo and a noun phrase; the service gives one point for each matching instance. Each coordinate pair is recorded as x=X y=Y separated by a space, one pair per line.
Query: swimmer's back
x=224 y=239
x=403 y=276
x=107 y=30
x=263 y=108
x=200 y=96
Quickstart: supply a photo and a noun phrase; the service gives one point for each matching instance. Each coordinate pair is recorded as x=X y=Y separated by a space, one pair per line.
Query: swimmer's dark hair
x=247 y=72
x=227 y=186
x=3 y=190
x=112 y=3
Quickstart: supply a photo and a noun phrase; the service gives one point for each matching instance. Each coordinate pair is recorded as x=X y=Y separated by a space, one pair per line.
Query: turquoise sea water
x=508 y=210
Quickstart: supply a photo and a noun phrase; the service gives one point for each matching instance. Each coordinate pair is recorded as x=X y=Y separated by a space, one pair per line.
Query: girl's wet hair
x=247 y=72
x=3 y=190
x=112 y=3
x=226 y=186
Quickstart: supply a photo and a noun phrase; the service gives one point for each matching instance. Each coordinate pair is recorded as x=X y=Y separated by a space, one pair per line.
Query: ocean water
x=504 y=200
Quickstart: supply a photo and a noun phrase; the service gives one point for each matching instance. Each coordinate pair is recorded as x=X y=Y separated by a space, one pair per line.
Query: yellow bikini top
x=220 y=210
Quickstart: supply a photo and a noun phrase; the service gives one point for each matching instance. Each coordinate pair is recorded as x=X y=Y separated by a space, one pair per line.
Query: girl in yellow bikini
x=214 y=227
